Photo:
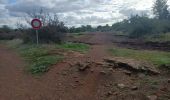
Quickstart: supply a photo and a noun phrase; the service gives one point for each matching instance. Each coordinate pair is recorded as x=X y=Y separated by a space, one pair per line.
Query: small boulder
x=141 y=75
x=153 y=97
x=107 y=85
x=99 y=63
x=128 y=73
x=64 y=73
x=134 y=88
x=110 y=69
x=73 y=86
x=91 y=70
x=82 y=67
x=109 y=93
x=121 y=86
x=103 y=72
x=168 y=80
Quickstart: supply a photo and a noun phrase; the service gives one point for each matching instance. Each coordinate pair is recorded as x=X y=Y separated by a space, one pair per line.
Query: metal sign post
x=37 y=37
x=36 y=24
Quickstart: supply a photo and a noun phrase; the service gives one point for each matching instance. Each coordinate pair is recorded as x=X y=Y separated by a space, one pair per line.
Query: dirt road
x=65 y=82
x=12 y=81
x=16 y=84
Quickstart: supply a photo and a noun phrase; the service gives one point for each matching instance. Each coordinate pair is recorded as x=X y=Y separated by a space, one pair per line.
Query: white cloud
x=77 y=12
x=3 y=1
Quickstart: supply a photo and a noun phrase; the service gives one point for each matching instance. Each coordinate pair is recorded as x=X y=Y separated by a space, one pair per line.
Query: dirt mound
x=132 y=65
x=127 y=64
x=100 y=81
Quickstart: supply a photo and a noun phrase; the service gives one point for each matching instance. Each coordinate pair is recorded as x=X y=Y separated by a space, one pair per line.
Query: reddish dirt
x=94 y=38
x=121 y=41
x=65 y=82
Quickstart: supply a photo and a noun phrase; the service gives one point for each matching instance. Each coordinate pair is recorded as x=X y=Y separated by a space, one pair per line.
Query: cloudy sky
x=76 y=12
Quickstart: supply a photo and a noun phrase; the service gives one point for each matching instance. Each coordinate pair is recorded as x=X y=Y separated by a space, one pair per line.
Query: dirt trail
x=12 y=83
x=65 y=82
x=16 y=84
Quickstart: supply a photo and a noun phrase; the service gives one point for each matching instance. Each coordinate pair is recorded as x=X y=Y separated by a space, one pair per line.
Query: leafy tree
x=160 y=9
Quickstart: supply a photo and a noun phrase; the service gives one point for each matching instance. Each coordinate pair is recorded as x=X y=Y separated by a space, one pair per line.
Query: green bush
x=38 y=57
x=42 y=64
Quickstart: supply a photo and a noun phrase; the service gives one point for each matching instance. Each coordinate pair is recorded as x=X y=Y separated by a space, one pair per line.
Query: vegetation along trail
x=16 y=84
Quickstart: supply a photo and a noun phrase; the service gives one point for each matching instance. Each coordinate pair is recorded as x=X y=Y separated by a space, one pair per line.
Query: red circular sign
x=36 y=24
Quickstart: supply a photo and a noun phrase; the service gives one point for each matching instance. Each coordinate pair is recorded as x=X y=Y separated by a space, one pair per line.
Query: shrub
x=52 y=30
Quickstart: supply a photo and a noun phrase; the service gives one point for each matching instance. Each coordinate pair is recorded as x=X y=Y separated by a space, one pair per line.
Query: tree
x=160 y=9
x=52 y=30
x=5 y=29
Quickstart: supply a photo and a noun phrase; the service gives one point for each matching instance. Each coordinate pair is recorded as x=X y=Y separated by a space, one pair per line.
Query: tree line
x=138 y=26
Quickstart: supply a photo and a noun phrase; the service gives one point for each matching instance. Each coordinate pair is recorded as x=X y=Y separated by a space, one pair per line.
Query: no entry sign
x=36 y=24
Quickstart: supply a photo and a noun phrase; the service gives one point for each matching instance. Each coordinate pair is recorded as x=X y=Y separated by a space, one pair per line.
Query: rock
x=164 y=89
x=132 y=65
x=81 y=83
x=115 y=93
x=109 y=93
x=77 y=81
x=99 y=63
x=70 y=64
x=110 y=61
x=107 y=85
x=141 y=75
x=64 y=73
x=110 y=69
x=75 y=54
x=82 y=67
x=91 y=70
x=88 y=62
x=73 y=86
x=153 y=97
x=75 y=77
x=168 y=80
x=128 y=73
x=121 y=86
x=103 y=72
x=134 y=88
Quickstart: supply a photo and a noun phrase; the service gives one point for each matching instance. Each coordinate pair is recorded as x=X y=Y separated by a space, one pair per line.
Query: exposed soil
x=140 y=44
x=65 y=81
x=121 y=41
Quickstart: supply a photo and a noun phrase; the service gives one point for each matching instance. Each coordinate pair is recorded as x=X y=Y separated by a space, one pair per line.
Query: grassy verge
x=79 y=47
x=156 y=57
x=38 y=57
